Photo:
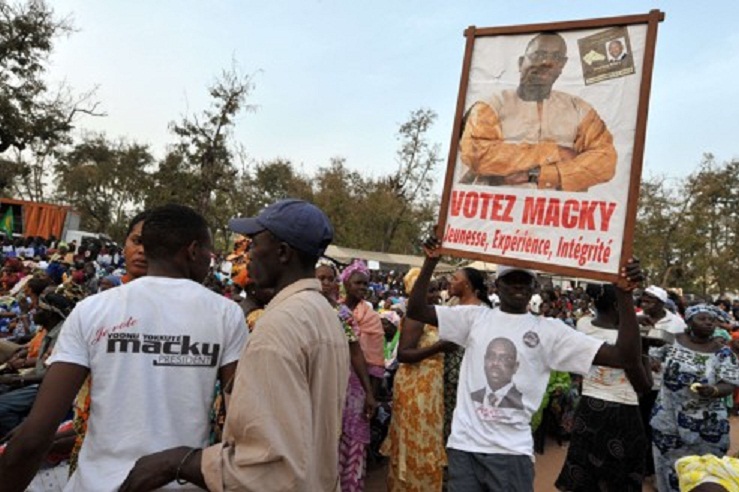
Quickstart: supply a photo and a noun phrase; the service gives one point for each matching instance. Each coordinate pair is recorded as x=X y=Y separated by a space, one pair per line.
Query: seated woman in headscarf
x=109 y=281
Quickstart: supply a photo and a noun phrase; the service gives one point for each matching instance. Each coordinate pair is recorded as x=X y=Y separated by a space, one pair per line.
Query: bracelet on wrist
x=178 y=479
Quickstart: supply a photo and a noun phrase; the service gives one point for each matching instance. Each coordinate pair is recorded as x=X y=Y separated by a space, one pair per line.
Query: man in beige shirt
x=283 y=421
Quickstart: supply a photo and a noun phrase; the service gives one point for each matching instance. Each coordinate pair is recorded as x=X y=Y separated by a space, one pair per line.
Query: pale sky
x=336 y=78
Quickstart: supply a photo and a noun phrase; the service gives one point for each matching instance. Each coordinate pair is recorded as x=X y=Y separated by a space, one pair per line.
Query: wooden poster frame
x=652 y=19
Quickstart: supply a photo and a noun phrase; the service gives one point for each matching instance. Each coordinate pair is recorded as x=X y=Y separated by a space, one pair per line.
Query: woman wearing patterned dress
x=360 y=402
x=415 y=442
x=355 y=278
x=690 y=416
x=608 y=441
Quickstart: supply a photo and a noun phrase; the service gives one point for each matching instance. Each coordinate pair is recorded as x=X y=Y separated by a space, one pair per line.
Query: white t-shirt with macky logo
x=504 y=373
x=154 y=347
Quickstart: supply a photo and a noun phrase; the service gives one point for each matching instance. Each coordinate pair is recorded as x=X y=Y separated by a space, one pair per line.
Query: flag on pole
x=7 y=225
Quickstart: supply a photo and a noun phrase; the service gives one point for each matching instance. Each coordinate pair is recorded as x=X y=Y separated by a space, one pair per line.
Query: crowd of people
x=164 y=364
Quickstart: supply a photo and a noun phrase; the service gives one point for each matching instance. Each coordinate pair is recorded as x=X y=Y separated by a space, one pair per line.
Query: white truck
x=77 y=236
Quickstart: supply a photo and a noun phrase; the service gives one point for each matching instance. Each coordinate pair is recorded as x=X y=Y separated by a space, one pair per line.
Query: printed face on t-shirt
x=500 y=362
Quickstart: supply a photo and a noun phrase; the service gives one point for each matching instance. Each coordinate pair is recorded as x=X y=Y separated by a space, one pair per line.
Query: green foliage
x=341 y=194
x=35 y=119
x=686 y=233
x=104 y=181
x=204 y=141
x=107 y=181
x=27 y=31
x=272 y=181
x=389 y=213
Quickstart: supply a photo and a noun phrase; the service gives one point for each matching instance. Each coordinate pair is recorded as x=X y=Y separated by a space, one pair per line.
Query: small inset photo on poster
x=606 y=55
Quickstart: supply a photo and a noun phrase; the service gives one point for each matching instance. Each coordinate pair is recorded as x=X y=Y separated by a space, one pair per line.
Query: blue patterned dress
x=684 y=423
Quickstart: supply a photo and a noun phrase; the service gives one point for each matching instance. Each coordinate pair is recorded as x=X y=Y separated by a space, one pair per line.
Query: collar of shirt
x=292 y=289
x=500 y=393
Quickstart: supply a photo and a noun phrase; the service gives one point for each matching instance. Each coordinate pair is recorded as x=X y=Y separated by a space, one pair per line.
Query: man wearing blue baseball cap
x=284 y=418
x=300 y=224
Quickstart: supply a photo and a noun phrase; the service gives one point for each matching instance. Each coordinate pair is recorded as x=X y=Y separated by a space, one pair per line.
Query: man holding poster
x=510 y=351
x=535 y=136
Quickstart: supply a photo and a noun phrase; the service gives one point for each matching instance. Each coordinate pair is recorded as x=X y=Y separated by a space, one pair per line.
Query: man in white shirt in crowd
x=154 y=348
x=493 y=449
x=661 y=326
x=284 y=420
x=662 y=323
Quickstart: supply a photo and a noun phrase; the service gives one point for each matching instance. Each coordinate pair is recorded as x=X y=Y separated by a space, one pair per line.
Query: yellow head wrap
x=696 y=470
x=410 y=279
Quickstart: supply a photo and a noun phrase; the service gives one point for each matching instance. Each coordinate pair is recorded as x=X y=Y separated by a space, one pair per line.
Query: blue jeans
x=15 y=406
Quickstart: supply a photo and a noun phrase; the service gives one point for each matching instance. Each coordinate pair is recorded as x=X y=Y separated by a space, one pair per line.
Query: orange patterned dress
x=415 y=443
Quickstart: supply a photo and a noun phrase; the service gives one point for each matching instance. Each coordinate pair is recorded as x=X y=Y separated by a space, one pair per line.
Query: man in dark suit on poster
x=616 y=51
x=501 y=363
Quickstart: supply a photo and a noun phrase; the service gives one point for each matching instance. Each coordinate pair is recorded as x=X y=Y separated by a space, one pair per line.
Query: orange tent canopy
x=41 y=219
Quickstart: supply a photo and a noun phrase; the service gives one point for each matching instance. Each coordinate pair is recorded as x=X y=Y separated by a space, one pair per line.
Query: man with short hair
x=284 y=419
x=534 y=136
x=154 y=349
x=501 y=363
x=491 y=445
x=663 y=324
x=616 y=52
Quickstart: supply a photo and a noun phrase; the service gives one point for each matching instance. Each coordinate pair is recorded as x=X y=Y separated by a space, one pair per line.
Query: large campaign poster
x=546 y=152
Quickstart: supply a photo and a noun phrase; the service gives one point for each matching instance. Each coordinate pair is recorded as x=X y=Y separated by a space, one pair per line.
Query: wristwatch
x=534 y=174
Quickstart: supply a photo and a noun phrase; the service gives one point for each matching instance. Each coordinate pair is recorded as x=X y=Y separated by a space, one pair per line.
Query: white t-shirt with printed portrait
x=541 y=345
x=154 y=347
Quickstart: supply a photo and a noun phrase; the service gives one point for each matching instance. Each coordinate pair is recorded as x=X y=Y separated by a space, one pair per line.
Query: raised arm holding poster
x=547 y=146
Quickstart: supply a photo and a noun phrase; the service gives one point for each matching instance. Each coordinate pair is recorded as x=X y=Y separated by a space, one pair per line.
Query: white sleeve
x=677 y=325
x=571 y=350
x=72 y=346
x=236 y=334
x=456 y=322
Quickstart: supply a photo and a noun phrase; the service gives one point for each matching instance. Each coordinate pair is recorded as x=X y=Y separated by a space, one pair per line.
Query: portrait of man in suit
x=616 y=51
x=501 y=363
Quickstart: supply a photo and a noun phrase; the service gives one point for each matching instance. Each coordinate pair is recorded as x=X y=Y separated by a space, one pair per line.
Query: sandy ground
x=547 y=465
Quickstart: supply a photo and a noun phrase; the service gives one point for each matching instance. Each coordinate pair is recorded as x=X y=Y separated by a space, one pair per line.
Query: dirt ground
x=547 y=465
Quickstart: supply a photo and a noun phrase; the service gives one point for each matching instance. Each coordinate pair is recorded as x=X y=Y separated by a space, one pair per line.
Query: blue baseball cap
x=300 y=224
